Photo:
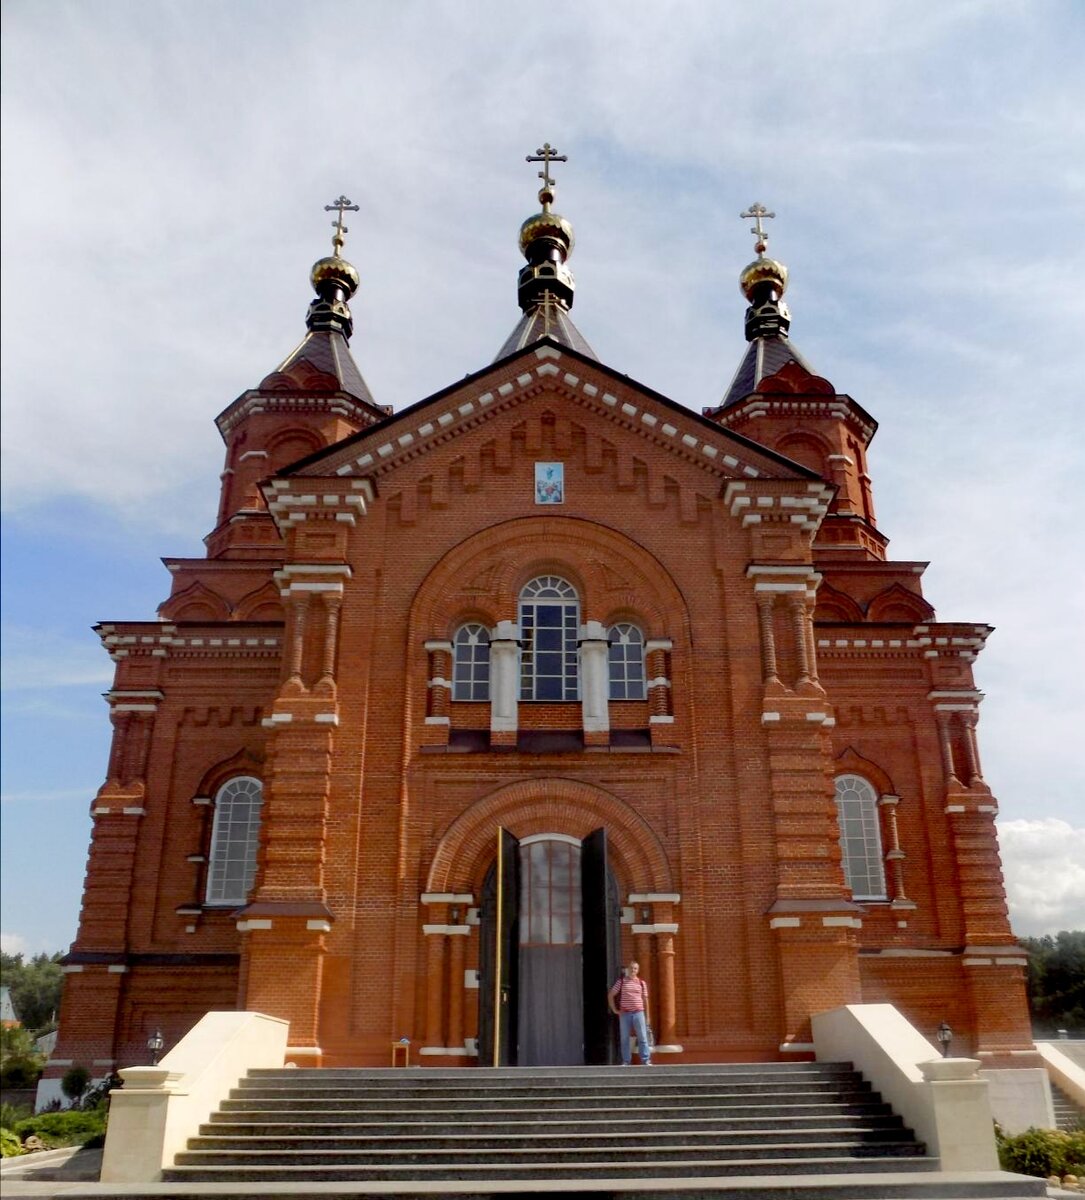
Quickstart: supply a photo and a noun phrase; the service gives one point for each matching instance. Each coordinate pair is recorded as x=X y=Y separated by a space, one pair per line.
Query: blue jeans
x=634 y=1022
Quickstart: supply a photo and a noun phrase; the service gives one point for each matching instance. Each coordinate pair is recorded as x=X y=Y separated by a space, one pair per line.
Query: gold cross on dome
x=546 y=155
x=339 y=206
x=756 y=211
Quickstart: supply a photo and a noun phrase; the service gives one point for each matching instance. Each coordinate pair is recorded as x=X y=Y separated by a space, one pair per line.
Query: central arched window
x=860 y=837
x=549 y=630
x=235 y=834
x=471 y=663
x=626 y=662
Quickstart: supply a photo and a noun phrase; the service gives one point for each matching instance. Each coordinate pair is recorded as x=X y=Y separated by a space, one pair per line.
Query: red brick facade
x=311 y=650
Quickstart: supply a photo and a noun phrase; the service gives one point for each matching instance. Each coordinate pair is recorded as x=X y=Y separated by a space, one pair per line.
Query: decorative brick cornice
x=791 y=501
x=291 y=501
x=254 y=402
x=437 y=424
x=164 y=641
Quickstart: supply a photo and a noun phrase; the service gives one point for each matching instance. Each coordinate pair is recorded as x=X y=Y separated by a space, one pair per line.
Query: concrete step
x=555 y=1147
x=685 y=1070
x=282 y=1110
x=629 y=1099
x=675 y=1168
x=348 y=1125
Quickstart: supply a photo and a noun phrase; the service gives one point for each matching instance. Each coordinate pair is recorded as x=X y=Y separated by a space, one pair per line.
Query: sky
x=165 y=171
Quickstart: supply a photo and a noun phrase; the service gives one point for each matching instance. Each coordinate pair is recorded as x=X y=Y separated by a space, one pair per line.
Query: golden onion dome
x=763 y=270
x=334 y=269
x=546 y=225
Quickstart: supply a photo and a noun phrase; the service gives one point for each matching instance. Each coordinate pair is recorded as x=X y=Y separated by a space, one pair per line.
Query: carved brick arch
x=898 y=605
x=263 y=604
x=244 y=762
x=196 y=603
x=850 y=762
x=465 y=851
x=290 y=445
x=609 y=570
x=833 y=605
x=807 y=448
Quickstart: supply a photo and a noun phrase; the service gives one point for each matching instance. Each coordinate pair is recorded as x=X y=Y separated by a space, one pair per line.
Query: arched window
x=626 y=656
x=471 y=663
x=549 y=630
x=234 y=836
x=860 y=837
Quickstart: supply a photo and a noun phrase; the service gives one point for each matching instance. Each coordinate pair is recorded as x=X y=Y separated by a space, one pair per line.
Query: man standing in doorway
x=628 y=1000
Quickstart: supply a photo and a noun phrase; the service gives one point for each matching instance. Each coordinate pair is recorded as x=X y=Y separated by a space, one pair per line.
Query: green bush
x=12 y=1114
x=71 y=1128
x=1043 y=1152
x=75 y=1082
x=21 y=1071
x=9 y=1143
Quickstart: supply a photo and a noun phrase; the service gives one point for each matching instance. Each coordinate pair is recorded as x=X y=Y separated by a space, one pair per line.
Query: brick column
x=436 y=938
x=457 y=957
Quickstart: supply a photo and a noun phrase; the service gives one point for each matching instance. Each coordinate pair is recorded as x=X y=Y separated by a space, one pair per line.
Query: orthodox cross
x=757 y=211
x=546 y=155
x=547 y=301
x=340 y=206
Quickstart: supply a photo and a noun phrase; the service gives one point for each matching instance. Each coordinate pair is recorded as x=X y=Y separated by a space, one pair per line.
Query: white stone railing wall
x=944 y=1100
x=159 y=1108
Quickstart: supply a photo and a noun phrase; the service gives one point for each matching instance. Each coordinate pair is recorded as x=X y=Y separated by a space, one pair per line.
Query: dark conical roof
x=764 y=357
x=320 y=362
x=546 y=319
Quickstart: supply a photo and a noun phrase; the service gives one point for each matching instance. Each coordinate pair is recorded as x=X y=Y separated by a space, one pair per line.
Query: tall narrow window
x=234 y=836
x=549 y=627
x=626 y=662
x=471 y=663
x=860 y=837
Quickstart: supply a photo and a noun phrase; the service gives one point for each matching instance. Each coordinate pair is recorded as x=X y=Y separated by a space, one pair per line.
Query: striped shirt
x=632 y=994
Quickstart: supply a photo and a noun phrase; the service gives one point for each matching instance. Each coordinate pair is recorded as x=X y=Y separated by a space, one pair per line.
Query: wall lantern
x=155 y=1043
x=945 y=1036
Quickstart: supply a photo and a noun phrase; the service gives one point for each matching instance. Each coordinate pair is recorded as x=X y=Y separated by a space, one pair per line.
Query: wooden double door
x=550 y=928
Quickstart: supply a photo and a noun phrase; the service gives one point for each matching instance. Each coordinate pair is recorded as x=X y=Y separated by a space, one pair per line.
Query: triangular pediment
x=549 y=397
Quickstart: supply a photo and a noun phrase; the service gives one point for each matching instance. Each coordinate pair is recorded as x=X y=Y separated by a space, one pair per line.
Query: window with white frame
x=471 y=663
x=860 y=837
x=549 y=632
x=626 y=662
x=235 y=833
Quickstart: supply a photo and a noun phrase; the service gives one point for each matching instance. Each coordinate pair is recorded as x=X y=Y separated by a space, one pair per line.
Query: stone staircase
x=800 y=1130
x=1068 y=1115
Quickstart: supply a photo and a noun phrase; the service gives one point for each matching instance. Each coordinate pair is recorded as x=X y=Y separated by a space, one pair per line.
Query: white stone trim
x=658 y=644
x=446 y=898
x=655 y=898
x=667 y=927
x=254 y=923
x=661 y=719
x=784 y=922
x=319 y=925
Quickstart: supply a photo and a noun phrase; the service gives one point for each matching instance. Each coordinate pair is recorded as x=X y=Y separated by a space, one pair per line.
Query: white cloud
x=1044 y=865
x=39 y=659
x=12 y=943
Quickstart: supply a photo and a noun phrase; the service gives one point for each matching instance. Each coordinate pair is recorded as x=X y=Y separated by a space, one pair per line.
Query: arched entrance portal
x=550 y=927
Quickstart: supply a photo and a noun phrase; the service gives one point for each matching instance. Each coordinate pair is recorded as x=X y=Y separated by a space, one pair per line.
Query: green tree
x=1056 y=982
x=34 y=986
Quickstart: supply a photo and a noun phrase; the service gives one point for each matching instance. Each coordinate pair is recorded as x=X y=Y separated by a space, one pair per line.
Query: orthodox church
x=468 y=703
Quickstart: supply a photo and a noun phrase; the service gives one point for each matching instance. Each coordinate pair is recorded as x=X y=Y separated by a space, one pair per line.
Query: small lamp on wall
x=945 y=1036
x=155 y=1043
